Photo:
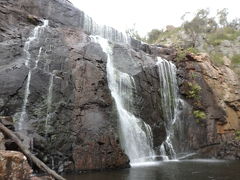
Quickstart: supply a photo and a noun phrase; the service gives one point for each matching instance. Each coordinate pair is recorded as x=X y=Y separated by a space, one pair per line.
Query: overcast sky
x=148 y=14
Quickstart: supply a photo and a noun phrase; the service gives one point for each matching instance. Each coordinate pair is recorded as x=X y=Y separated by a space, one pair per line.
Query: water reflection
x=172 y=170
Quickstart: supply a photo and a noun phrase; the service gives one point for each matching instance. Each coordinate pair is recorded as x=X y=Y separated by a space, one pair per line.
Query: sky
x=146 y=15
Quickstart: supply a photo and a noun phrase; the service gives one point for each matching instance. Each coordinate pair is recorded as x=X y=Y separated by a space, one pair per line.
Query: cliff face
x=218 y=99
x=70 y=118
x=75 y=128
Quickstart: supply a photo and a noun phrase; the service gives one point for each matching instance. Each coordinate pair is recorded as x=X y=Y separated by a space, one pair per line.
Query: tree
x=222 y=17
x=132 y=32
x=153 y=35
x=235 y=24
x=200 y=24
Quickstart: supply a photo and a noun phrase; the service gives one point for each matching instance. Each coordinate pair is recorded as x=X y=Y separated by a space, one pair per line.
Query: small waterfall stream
x=136 y=135
x=169 y=103
x=104 y=31
x=34 y=37
x=49 y=103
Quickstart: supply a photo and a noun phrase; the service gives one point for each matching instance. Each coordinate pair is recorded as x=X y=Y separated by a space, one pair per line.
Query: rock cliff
x=81 y=131
x=213 y=93
x=71 y=119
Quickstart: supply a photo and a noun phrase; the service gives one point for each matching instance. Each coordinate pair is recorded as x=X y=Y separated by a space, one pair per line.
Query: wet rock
x=148 y=102
x=14 y=165
x=80 y=102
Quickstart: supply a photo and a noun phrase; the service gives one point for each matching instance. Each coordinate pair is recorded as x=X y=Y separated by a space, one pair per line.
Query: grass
x=235 y=59
x=227 y=33
x=235 y=64
x=217 y=58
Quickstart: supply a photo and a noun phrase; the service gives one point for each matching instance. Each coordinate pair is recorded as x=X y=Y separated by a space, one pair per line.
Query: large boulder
x=14 y=165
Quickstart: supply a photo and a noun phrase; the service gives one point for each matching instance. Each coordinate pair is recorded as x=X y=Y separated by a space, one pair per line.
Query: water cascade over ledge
x=169 y=103
x=135 y=134
x=34 y=37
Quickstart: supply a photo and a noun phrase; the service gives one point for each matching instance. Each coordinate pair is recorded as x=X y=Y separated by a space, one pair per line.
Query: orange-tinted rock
x=14 y=166
x=219 y=99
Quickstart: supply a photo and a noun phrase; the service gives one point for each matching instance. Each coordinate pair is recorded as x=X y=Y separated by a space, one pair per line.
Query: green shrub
x=194 y=90
x=33 y=20
x=237 y=134
x=199 y=114
x=192 y=50
x=193 y=75
x=169 y=34
x=236 y=59
x=182 y=53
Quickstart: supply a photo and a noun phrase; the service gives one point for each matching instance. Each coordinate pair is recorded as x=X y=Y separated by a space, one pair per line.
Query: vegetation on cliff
x=215 y=35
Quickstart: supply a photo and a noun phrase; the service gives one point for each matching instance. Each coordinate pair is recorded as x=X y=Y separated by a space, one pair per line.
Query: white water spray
x=49 y=103
x=169 y=104
x=136 y=135
x=34 y=37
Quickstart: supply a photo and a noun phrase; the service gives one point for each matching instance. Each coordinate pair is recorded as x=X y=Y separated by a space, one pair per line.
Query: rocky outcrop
x=14 y=165
x=214 y=94
x=75 y=129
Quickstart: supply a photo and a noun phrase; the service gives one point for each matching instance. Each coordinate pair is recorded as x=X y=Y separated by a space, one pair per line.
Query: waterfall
x=38 y=58
x=169 y=104
x=49 y=102
x=25 y=101
x=104 y=31
x=135 y=134
x=34 y=37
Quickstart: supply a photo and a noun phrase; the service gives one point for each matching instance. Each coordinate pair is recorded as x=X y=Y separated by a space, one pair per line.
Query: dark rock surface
x=76 y=129
x=147 y=101
x=82 y=124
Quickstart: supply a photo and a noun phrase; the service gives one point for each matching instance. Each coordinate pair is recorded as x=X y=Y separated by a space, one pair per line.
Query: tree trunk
x=29 y=155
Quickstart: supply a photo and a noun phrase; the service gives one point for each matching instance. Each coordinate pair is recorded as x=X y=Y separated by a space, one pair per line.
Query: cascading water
x=34 y=37
x=49 y=102
x=104 y=31
x=136 y=135
x=169 y=103
x=25 y=101
x=38 y=58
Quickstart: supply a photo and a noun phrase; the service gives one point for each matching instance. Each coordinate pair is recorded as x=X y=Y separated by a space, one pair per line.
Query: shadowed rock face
x=81 y=133
x=147 y=101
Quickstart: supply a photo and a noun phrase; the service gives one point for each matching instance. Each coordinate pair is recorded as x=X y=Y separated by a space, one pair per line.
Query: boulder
x=14 y=165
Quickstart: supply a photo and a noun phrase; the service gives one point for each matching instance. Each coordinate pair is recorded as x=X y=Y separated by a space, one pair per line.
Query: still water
x=171 y=170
